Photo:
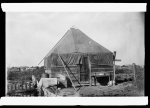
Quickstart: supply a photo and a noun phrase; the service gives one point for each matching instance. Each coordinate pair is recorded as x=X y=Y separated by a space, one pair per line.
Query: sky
x=31 y=35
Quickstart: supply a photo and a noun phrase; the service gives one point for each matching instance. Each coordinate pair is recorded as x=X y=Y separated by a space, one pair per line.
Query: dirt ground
x=124 y=89
x=68 y=92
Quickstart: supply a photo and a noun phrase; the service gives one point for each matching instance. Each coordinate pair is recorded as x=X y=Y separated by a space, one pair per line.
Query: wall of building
x=107 y=70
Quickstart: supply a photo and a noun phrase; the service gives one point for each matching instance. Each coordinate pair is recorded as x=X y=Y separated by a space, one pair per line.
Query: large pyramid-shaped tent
x=75 y=40
x=73 y=45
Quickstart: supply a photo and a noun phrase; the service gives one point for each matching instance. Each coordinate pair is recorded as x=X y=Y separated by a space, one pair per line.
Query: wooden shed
x=82 y=55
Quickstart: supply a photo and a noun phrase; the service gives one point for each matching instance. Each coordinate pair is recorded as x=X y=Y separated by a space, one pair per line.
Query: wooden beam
x=101 y=68
x=62 y=66
x=41 y=61
x=117 y=59
x=101 y=72
x=101 y=64
x=114 y=72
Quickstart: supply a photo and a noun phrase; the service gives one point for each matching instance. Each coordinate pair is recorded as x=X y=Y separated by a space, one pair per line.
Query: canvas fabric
x=73 y=46
x=74 y=59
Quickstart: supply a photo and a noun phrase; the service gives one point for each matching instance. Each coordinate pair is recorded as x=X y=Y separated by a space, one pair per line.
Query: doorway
x=84 y=69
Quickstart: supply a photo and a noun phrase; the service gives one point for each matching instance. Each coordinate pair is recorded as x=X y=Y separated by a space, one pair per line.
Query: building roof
x=72 y=45
x=75 y=40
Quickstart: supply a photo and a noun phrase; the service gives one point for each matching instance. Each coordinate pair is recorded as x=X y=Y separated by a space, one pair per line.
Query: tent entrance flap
x=84 y=70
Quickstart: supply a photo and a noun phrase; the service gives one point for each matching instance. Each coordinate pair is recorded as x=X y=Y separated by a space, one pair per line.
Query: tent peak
x=74 y=27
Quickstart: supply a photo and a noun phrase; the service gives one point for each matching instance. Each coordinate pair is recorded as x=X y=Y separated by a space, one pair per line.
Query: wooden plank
x=101 y=68
x=101 y=64
x=62 y=66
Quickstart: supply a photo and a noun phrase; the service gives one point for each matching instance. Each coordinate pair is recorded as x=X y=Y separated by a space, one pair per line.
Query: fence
x=133 y=73
x=20 y=89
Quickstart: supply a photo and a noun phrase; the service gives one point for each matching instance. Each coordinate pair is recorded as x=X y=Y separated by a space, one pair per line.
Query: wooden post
x=25 y=86
x=7 y=88
x=11 y=88
x=21 y=85
x=95 y=79
x=133 y=65
x=114 y=66
x=114 y=72
x=15 y=85
x=29 y=85
x=57 y=87
x=109 y=76
x=90 y=70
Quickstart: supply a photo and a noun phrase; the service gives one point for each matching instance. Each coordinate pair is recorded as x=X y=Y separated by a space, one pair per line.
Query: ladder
x=66 y=67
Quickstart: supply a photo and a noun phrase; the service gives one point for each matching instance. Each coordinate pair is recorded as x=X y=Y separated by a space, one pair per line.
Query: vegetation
x=25 y=75
x=139 y=74
x=126 y=85
x=118 y=90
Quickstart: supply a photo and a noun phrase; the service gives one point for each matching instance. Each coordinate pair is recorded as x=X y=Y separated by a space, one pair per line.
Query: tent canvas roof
x=74 y=40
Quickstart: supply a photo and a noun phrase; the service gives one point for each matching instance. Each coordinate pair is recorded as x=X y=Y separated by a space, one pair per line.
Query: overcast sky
x=30 y=36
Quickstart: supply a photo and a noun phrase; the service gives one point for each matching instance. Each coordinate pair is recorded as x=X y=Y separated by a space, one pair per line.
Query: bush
x=25 y=75
x=139 y=74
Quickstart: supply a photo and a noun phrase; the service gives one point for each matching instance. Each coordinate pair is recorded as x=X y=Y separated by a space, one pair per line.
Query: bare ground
x=124 y=89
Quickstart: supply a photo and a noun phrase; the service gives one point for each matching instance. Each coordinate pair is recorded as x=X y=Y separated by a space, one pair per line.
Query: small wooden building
x=84 y=57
